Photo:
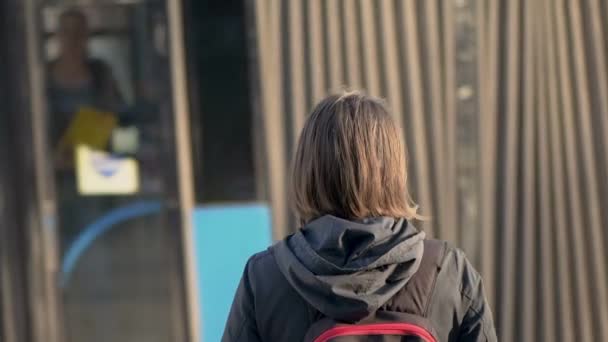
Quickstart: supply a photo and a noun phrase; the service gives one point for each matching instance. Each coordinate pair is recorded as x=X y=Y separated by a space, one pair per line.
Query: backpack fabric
x=334 y=275
x=410 y=324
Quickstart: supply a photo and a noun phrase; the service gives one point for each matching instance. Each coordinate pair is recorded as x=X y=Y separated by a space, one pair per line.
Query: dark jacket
x=347 y=271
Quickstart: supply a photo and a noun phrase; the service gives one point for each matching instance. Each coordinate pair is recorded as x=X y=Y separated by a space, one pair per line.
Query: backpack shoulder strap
x=416 y=294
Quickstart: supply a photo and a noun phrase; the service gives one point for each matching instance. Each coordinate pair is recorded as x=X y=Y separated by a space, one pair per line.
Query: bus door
x=111 y=130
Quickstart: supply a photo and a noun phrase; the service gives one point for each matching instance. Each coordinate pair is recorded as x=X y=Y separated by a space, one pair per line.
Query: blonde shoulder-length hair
x=351 y=162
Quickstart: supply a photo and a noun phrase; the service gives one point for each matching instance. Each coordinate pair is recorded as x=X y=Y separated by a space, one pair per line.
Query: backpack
x=409 y=324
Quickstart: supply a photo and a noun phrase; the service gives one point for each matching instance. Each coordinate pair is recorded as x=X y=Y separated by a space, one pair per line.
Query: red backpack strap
x=416 y=294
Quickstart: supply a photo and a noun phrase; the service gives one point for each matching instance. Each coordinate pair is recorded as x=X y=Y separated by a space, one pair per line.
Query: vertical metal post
x=297 y=67
x=510 y=148
x=449 y=114
x=353 y=44
x=334 y=46
x=421 y=151
x=184 y=163
x=527 y=237
x=547 y=223
x=435 y=94
x=563 y=250
x=488 y=90
x=316 y=45
x=370 y=48
x=594 y=239
x=45 y=256
x=582 y=301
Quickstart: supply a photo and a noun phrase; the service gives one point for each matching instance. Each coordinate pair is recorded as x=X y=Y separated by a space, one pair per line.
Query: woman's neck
x=72 y=61
x=71 y=71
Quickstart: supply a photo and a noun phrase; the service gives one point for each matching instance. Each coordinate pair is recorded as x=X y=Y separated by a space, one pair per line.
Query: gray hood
x=347 y=270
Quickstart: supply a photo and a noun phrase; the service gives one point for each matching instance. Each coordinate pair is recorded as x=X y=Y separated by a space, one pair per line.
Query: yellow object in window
x=89 y=127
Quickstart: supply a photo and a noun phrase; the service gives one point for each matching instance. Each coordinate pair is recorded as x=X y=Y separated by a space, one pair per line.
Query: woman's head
x=350 y=162
x=73 y=33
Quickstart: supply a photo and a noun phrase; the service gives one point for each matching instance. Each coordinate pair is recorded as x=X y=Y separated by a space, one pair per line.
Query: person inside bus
x=77 y=80
x=357 y=269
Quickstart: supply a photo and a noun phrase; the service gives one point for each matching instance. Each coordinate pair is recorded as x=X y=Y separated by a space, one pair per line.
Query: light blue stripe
x=98 y=228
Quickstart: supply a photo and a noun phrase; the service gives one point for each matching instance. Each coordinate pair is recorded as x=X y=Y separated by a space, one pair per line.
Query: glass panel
x=110 y=125
x=224 y=167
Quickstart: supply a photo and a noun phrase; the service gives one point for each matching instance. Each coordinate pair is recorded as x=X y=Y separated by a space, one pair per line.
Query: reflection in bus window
x=79 y=87
x=77 y=80
x=104 y=60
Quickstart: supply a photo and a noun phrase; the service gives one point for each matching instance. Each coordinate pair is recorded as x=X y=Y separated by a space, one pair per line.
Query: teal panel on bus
x=224 y=238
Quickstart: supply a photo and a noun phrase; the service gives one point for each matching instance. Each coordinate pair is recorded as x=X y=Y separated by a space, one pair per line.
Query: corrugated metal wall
x=504 y=105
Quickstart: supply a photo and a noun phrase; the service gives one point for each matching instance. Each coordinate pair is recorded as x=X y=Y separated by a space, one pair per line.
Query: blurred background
x=145 y=148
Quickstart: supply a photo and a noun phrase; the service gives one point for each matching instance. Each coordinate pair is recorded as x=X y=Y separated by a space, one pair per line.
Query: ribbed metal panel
x=529 y=207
